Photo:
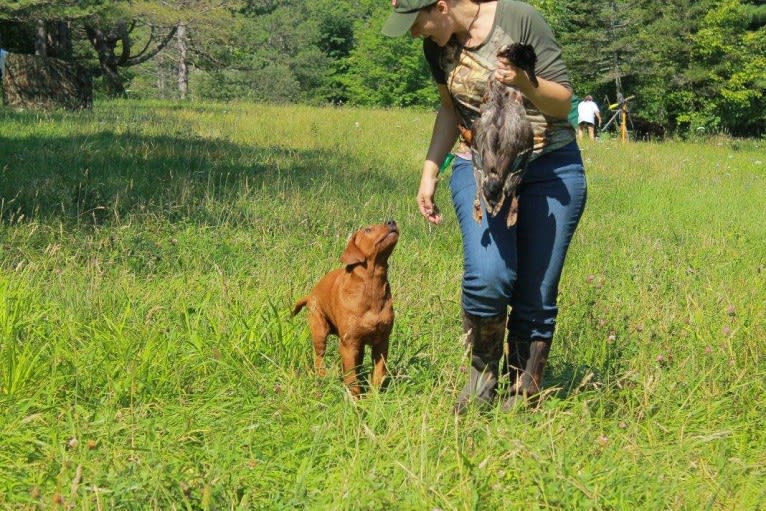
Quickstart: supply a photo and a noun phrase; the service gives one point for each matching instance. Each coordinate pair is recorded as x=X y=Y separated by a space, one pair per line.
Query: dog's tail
x=300 y=304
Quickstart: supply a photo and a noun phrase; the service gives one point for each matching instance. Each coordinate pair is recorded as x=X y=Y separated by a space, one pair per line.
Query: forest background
x=694 y=67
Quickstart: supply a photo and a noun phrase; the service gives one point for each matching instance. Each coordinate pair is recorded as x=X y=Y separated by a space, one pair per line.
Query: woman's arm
x=444 y=135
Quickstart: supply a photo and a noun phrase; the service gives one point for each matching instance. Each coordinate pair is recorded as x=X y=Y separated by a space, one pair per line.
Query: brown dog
x=354 y=303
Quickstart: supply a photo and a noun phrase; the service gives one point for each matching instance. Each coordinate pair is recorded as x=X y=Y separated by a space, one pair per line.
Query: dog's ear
x=352 y=254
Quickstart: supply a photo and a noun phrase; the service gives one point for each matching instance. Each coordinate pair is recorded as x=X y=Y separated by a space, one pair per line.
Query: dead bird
x=502 y=138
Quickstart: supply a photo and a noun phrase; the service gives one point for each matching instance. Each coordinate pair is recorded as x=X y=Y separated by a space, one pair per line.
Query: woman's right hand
x=425 y=198
x=443 y=138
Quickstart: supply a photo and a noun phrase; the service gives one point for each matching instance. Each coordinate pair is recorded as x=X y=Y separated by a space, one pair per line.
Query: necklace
x=460 y=46
x=470 y=26
x=457 y=58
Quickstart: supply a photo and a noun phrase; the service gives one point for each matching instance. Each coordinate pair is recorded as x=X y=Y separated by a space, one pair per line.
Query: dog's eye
x=367 y=230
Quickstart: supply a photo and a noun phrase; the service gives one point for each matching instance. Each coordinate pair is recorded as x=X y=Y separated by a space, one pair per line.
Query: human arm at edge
x=551 y=98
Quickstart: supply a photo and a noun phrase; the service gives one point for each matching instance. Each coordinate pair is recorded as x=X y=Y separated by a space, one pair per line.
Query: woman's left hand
x=508 y=74
x=551 y=98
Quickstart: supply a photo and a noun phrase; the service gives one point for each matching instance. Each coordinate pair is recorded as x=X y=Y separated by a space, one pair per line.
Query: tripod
x=623 y=112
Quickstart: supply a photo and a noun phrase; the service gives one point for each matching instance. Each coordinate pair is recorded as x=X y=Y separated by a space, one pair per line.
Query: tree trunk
x=61 y=40
x=183 y=70
x=160 y=80
x=41 y=39
x=105 y=43
x=107 y=60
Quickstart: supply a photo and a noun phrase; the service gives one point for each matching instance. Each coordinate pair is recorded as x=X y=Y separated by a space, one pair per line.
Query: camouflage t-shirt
x=466 y=70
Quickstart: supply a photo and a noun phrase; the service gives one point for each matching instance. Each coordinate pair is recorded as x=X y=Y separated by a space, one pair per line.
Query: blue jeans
x=520 y=267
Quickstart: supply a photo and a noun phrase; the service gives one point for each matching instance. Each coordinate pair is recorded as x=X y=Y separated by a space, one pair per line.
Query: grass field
x=150 y=254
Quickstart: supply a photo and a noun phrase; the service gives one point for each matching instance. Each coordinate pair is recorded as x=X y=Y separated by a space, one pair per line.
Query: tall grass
x=150 y=254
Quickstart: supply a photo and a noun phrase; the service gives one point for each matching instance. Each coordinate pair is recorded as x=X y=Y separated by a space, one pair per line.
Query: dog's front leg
x=380 y=359
x=352 y=354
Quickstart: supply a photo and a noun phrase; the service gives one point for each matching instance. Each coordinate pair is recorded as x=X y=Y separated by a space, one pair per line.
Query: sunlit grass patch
x=150 y=254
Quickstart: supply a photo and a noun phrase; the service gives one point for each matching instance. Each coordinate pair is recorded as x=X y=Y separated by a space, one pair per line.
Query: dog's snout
x=391 y=224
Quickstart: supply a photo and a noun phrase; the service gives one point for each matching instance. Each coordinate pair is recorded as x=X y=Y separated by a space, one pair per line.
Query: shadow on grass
x=571 y=379
x=108 y=176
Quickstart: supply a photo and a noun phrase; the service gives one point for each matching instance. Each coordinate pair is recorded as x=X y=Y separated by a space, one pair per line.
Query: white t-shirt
x=586 y=112
x=3 y=53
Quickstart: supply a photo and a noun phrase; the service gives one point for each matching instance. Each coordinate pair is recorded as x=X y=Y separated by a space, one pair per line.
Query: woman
x=518 y=266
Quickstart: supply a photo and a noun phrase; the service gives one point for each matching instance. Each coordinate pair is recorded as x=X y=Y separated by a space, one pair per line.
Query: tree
x=261 y=63
x=113 y=41
x=203 y=26
x=385 y=71
x=731 y=47
x=109 y=26
x=601 y=46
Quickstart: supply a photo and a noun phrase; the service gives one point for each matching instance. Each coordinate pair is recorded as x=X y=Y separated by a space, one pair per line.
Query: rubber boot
x=485 y=337
x=525 y=365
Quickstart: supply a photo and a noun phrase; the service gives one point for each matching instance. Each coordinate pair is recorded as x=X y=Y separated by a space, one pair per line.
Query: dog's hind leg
x=320 y=329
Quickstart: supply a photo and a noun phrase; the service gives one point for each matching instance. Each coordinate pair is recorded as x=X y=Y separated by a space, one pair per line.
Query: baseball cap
x=405 y=11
